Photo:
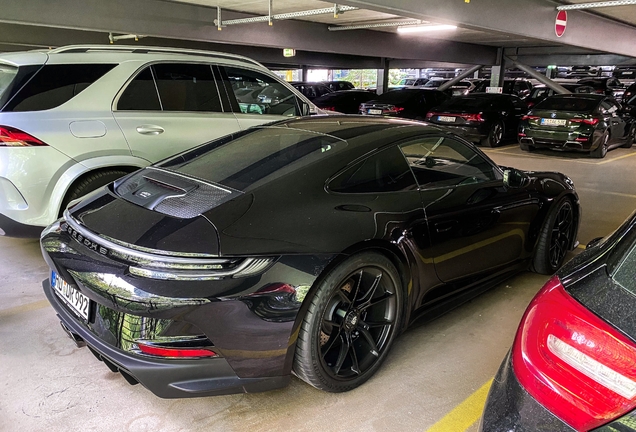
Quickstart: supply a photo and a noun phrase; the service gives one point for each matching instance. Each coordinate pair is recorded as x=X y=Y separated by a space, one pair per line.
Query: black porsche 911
x=305 y=245
x=571 y=366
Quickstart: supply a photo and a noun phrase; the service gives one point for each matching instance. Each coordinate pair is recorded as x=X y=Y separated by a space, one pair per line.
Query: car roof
x=349 y=127
x=117 y=54
x=580 y=96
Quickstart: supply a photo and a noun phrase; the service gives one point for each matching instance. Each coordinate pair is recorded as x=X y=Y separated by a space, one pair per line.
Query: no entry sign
x=561 y=23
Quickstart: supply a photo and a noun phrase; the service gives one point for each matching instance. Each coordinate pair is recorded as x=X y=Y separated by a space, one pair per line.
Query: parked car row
x=184 y=277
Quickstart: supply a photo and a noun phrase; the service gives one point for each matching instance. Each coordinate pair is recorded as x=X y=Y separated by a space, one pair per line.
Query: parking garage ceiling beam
x=193 y=22
x=526 y=19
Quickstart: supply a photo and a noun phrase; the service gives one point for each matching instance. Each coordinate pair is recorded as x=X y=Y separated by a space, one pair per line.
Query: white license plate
x=375 y=111
x=553 y=122
x=447 y=119
x=76 y=301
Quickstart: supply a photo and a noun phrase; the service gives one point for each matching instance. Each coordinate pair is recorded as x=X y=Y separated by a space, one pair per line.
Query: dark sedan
x=541 y=92
x=338 y=85
x=407 y=103
x=302 y=246
x=346 y=101
x=482 y=118
x=572 y=362
x=311 y=90
x=581 y=122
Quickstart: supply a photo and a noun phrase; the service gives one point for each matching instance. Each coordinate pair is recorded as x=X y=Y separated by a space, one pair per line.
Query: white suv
x=75 y=118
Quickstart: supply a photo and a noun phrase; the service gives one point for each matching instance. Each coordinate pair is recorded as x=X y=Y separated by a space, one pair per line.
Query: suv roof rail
x=148 y=49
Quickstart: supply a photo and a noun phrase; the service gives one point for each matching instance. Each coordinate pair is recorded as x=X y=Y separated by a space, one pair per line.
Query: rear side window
x=141 y=94
x=386 y=171
x=55 y=85
x=187 y=87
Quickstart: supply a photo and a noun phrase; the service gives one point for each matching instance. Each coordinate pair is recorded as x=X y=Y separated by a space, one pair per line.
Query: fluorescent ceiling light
x=426 y=28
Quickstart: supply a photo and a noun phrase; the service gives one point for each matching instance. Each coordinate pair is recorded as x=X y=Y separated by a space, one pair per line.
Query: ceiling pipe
x=377 y=25
x=458 y=78
x=593 y=5
x=541 y=78
x=335 y=10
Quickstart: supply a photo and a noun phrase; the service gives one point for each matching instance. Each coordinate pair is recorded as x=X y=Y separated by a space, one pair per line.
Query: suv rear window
x=54 y=85
x=567 y=104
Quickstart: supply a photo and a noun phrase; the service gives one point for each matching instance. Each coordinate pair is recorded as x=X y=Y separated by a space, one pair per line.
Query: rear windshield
x=467 y=102
x=250 y=158
x=54 y=85
x=12 y=79
x=568 y=104
x=398 y=96
x=7 y=75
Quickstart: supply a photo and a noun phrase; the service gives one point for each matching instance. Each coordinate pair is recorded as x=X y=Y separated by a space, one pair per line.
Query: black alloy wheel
x=601 y=150
x=351 y=323
x=557 y=235
x=495 y=136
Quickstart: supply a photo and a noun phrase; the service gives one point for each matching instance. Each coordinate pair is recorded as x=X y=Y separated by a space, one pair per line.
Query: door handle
x=443 y=227
x=150 y=130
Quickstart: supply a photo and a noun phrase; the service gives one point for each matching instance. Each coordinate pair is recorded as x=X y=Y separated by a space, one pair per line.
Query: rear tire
x=495 y=136
x=601 y=151
x=353 y=318
x=88 y=184
x=555 y=237
x=526 y=147
x=630 y=138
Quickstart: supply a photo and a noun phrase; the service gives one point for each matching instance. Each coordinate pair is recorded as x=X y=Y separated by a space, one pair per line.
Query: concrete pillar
x=383 y=76
x=303 y=74
x=499 y=71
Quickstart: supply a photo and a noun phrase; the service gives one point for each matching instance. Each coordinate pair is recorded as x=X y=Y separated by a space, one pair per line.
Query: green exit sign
x=289 y=52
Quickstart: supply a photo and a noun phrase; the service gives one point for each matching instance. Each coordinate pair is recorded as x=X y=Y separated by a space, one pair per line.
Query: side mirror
x=514 y=178
x=305 y=108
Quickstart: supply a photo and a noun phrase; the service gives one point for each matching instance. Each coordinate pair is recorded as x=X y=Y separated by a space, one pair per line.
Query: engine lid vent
x=172 y=193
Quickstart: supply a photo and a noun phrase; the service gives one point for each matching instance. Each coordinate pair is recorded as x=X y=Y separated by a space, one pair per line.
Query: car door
x=257 y=98
x=618 y=126
x=477 y=226
x=171 y=107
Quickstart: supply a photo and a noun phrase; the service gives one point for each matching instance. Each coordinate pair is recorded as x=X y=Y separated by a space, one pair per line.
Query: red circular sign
x=561 y=23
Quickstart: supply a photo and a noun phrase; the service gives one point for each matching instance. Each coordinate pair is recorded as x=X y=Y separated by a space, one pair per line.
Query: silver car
x=75 y=118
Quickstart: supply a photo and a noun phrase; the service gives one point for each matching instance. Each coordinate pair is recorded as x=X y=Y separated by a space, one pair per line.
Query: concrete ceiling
x=362 y=16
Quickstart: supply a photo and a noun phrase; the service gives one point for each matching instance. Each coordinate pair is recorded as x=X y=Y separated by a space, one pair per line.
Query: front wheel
x=557 y=234
x=352 y=320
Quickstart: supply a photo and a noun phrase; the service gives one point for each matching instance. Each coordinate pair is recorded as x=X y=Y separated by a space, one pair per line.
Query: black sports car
x=572 y=362
x=408 y=103
x=304 y=245
x=344 y=101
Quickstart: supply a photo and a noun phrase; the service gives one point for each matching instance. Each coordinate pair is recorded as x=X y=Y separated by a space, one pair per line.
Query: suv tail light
x=592 y=121
x=12 y=137
x=572 y=362
x=431 y=114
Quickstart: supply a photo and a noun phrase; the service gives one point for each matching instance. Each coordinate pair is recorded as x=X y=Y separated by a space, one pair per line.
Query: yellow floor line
x=606 y=192
x=617 y=158
x=5 y=313
x=581 y=246
x=465 y=414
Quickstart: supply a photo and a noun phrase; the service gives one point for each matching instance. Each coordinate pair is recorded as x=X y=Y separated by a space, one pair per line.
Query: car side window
x=187 y=87
x=444 y=162
x=385 y=171
x=257 y=93
x=140 y=94
x=54 y=85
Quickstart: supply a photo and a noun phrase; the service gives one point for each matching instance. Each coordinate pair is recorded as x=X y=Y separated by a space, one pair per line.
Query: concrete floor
x=48 y=384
